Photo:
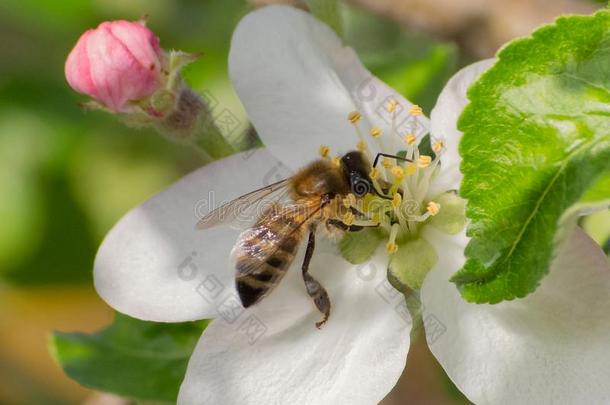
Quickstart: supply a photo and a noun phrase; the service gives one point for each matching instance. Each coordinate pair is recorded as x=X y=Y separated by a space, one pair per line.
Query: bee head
x=356 y=169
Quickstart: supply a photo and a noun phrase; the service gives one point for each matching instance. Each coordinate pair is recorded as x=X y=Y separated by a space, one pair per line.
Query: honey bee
x=264 y=252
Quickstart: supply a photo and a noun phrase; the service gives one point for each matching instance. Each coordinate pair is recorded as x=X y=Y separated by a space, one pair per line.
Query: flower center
x=401 y=175
x=403 y=169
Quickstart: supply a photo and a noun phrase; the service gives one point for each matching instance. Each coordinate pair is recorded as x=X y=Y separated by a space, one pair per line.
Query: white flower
x=298 y=84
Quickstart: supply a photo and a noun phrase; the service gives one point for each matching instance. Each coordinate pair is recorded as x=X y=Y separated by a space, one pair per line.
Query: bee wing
x=241 y=208
x=279 y=228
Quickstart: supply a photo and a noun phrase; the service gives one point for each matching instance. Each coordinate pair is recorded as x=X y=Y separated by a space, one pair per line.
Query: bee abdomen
x=256 y=277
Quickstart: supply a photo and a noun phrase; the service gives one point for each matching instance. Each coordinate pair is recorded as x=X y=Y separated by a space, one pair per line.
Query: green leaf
x=136 y=359
x=536 y=141
x=425 y=147
x=327 y=11
x=358 y=247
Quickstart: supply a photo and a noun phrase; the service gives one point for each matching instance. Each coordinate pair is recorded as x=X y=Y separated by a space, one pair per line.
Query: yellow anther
x=354 y=117
x=387 y=163
x=438 y=146
x=348 y=218
x=376 y=218
x=415 y=110
x=336 y=161
x=410 y=169
x=398 y=172
x=374 y=173
x=324 y=150
x=424 y=161
x=375 y=132
x=361 y=146
x=349 y=201
x=410 y=139
x=391 y=247
x=396 y=200
x=392 y=104
x=433 y=208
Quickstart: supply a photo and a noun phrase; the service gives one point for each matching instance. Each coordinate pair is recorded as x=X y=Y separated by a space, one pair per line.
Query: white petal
x=550 y=347
x=444 y=117
x=299 y=83
x=355 y=358
x=155 y=265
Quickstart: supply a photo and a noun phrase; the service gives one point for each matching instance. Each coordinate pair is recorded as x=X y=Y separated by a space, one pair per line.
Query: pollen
x=387 y=163
x=349 y=201
x=398 y=172
x=396 y=200
x=374 y=173
x=416 y=110
x=354 y=117
x=361 y=146
x=391 y=247
x=433 y=208
x=336 y=161
x=392 y=104
x=410 y=139
x=438 y=146
x=410 y=169
x=324 y=151
x=348 y=218
x=375 y=132
x=424 y=161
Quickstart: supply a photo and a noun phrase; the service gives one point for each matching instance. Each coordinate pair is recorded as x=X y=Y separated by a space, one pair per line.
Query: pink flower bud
x=116 y=62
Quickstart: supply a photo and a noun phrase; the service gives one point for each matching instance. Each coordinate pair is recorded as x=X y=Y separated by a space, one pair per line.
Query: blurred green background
x=67 y=175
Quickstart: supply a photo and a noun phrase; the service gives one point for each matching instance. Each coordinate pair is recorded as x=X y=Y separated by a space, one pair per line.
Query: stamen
x=349 y=201
x=396 y=201
x=375 y=132
x=433 y=208
x=392 y=105
x=348 y=218
x=410 y=169
x=354 y=117
x=416 y=110
x=438 y=146
x=324 y=151
x=410 y=139
x=396 y=206
x=424 y=161
x=391 y=246
x=398 y=172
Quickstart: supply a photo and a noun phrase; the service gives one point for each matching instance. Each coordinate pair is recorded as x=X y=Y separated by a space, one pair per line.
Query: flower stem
x=211 y=142
x=192 y=122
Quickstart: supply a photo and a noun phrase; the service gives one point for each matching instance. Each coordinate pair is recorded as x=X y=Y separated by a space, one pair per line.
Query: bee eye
x=359 y=185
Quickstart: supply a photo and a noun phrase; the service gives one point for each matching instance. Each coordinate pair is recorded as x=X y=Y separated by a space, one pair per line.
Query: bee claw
x=322 y=322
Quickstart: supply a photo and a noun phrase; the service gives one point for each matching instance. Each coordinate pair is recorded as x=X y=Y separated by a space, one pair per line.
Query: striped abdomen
x=264 y=254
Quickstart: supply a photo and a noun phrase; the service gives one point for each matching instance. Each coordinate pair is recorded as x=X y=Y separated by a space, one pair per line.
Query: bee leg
x=313 y=286
x=338 y=224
